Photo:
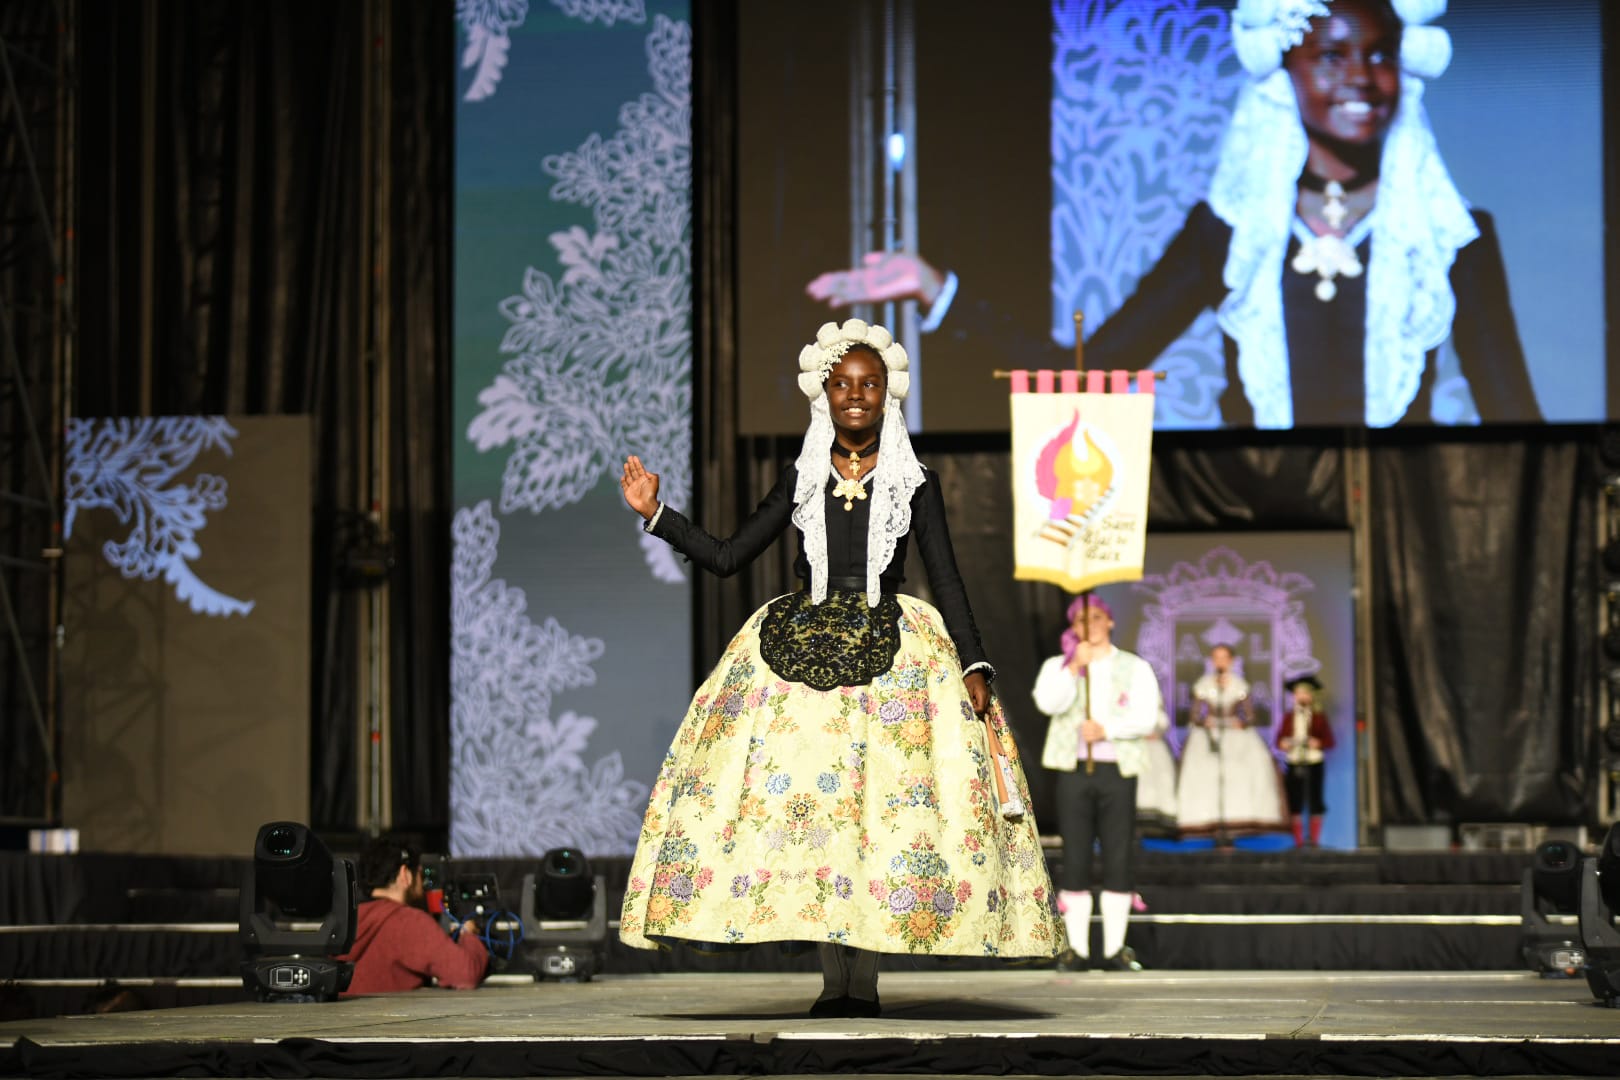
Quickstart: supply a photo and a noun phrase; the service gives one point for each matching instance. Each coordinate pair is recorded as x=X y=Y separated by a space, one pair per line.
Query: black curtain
x=225 y=269
x=1485 y=584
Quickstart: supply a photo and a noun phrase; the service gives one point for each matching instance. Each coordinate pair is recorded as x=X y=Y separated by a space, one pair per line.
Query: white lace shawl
x=897 y=476
x=1420 y=223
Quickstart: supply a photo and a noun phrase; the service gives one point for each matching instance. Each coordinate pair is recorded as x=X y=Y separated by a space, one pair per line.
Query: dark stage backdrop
x=230 y=161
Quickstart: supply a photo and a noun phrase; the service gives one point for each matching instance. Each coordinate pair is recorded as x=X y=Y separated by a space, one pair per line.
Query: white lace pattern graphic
x=1142 y=90
x=519 y=783
x=129 y=466
x=600 y=358
x=488 y=26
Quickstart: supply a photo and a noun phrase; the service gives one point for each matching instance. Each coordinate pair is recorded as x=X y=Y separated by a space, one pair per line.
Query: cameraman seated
x=397 y=944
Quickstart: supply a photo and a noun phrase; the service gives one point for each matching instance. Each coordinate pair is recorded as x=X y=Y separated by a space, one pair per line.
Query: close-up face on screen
x=1356 y=213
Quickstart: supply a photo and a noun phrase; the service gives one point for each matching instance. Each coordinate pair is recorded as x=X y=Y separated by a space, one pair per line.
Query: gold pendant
x=852 y=488
x=849 y=490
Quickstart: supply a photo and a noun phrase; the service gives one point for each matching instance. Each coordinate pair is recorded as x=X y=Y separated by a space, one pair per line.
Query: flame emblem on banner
x=1077 y=477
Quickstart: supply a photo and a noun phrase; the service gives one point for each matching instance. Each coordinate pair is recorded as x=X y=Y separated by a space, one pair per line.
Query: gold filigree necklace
x=850 y=488
x=1329 y=255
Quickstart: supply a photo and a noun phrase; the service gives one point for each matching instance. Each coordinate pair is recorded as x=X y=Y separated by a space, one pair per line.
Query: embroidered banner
x=1080 y=475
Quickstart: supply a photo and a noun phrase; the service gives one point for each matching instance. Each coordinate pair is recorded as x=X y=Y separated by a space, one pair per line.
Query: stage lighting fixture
x=564 y=914
x=566 y=886
x=1600 y=900
x=293 y=880
x=1551 y=886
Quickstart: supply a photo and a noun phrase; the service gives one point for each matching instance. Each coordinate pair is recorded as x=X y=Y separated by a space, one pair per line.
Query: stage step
x=91 y=917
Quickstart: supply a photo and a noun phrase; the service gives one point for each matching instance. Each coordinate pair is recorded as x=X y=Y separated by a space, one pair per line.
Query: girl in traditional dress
x=835 y=779
x=1229 y=782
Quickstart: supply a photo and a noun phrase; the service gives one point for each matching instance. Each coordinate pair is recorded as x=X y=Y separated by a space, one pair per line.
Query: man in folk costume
x=1304 y=736
x=1103 y=702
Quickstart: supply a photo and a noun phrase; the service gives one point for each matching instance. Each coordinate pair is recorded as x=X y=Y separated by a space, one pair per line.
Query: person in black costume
x=1334 y=246
x=835 y=779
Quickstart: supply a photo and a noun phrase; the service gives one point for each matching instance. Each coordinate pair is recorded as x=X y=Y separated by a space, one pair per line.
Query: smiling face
x=856 y=387
x=1346 y=73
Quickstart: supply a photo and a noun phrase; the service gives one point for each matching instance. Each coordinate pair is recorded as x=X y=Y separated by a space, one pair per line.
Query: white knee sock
x=1077 y=920
x=834 y=971
x=1116 y=914
x=863 y=973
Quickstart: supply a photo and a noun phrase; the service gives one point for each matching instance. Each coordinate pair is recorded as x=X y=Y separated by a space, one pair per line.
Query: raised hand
x=882 y=276
x=639 y=487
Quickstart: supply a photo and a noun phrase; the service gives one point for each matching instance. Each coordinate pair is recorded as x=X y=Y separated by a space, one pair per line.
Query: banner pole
x=1079 y=345
x=1085 y=614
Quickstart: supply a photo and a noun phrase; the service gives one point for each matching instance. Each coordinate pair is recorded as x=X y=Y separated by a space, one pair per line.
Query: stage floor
x=1007 y=1022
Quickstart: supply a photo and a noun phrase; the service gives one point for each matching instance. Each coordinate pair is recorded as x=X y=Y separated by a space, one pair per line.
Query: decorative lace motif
x=1121 y=187
x=519 y=780
x=842 y=641
x=131 y=467
x=488 y=25
x=598 y=358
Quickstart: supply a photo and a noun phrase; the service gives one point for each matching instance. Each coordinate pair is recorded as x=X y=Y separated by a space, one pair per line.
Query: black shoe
x=1124 y=960
x=860 y=1009
x=1069 y=960
x=830 y=1008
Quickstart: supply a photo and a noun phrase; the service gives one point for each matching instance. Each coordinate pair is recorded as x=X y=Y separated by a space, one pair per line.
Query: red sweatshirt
x=400 y=948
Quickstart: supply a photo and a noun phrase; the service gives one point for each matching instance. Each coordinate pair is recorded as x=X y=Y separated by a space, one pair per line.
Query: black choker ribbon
x=859 y=455
x=1311 y=182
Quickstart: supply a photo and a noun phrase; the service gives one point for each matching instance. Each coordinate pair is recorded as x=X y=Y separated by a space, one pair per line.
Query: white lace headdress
x=1418 y=225
x=898 y=473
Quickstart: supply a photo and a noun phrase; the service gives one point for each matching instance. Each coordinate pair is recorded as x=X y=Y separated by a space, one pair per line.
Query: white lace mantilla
x=894 y=479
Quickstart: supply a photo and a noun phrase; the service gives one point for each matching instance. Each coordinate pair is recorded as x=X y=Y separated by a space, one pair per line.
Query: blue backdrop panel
x=570 y=629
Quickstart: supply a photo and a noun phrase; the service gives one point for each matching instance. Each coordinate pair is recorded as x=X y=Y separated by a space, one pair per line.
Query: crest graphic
x=1075 y=470
x=1222 y=599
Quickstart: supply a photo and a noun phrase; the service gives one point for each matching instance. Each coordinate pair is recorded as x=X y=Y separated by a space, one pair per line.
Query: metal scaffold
x=37 y=321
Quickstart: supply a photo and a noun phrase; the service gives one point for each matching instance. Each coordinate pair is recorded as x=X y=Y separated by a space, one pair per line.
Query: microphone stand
x=1216 y=731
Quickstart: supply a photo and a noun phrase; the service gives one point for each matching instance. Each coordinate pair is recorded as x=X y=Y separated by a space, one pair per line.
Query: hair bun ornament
x=811 y=384
x=1425 y=51
x=1418 y=11
x=899 y=384
x=879 y=337
x=1262 y=30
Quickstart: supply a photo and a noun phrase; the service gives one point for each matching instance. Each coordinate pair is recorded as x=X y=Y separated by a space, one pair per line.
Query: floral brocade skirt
x=865 y=815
